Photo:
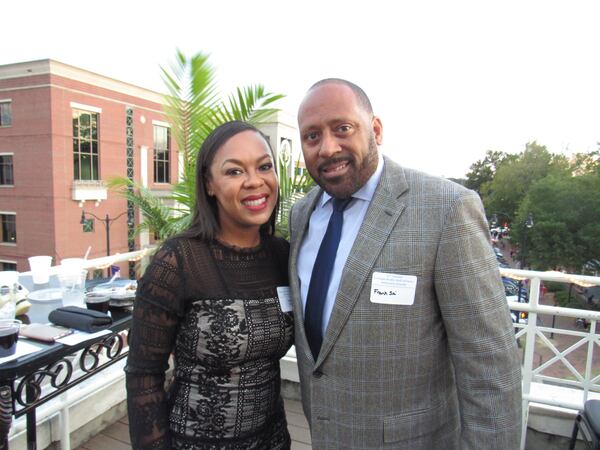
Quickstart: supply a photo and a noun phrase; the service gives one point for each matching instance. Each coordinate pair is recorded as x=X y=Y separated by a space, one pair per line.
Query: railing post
x=65 y=423
x=588 y=379
x=527 y=370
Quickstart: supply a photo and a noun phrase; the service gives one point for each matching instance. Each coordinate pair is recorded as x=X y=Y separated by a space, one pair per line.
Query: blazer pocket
x=409 y=426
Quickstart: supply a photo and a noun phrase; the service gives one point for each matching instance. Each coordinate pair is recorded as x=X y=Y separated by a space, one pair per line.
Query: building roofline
x=50 y=66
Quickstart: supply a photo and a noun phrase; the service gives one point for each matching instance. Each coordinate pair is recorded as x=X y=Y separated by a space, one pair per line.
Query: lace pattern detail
x=216 y=309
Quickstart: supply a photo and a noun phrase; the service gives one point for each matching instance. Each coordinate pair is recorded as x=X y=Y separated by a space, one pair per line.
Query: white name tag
x=285 y=299
x=393 y=289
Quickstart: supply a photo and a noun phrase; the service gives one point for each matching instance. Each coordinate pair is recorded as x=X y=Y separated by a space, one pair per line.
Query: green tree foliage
x=483 y=171
x=566 y=211
x=513 y=178
x=585 y=163
x=561 y=193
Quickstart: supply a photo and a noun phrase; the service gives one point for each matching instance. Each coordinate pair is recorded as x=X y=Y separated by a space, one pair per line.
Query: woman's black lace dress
x=216 y=308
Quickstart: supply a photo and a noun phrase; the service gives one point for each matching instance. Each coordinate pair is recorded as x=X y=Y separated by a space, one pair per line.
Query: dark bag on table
x=82 y=319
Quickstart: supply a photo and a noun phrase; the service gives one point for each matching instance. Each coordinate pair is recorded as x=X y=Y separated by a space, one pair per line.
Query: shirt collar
x=368 y=190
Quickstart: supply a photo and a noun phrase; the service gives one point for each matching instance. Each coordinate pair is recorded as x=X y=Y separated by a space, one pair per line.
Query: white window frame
x=170 y=152
x=9 y=213
x=13 y=171
x=7 y=100
x=160 y=123
x=88 y=108
x=9 y=261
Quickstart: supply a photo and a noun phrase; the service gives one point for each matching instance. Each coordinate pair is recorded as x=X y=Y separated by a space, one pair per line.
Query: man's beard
x=346 y=185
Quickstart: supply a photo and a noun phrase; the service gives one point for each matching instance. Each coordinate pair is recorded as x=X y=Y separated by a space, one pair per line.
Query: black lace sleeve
x=151 y=340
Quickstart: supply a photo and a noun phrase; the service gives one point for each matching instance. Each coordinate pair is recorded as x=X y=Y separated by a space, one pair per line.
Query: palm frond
x=194 y=110
x=191 y=100
x=291 y=189
x=156 y=215
x=248 y=104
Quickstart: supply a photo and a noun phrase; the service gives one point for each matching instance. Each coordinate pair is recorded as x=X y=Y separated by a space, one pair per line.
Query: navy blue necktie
x=321 y=275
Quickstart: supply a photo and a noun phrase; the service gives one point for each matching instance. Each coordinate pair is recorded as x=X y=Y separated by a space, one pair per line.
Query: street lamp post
x=528 y=226
x=107 y=221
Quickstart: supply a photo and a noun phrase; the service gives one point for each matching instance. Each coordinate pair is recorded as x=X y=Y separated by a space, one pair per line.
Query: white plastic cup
x=43 y=302
x=8 y=278
x=40 y=268
x=8 y=294
x=72 y=282
x=9 y=335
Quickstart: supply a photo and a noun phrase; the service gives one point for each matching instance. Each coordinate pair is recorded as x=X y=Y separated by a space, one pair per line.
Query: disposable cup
x=97 y=302
x=43 y=302
x=8 y=294
x=8 y=278
x=72 y=283
x=9 y=335
x=40 y=268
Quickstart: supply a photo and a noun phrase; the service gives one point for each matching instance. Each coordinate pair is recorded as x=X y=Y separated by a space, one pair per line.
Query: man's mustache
x=333 y=161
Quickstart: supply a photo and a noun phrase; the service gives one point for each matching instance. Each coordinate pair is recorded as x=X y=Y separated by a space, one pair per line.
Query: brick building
x=63 y=132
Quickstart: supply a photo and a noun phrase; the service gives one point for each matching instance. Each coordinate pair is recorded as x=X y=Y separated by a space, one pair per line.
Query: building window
x=6 y=169
x=85 y=145
x=5 y=113
x=88 y=225
x=7 y=265
x=162 y=147
x=8 y=232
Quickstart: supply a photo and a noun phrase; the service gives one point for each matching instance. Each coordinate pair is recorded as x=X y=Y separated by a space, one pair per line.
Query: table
x=56 y=364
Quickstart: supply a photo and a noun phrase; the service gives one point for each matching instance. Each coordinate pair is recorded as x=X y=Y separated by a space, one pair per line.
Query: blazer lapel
x=380 y=219
x=304 y=211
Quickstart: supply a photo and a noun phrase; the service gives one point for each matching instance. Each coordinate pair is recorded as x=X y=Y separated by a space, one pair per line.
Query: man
x=403 y=334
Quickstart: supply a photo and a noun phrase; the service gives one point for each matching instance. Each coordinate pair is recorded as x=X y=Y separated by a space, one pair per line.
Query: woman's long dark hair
x=205 y=219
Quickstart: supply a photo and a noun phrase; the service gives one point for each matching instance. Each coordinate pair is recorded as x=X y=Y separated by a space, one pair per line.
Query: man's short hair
x=358 y=92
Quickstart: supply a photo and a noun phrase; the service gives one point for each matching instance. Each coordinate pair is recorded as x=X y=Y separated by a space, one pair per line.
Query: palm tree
x=194 y=109
x=292 y=187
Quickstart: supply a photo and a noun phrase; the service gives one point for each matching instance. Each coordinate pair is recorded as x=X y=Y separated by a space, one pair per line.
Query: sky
x=449 y=79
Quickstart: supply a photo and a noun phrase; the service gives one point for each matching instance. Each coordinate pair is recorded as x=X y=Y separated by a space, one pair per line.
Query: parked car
x=511 y=287
x=501 y=260
x=592 y=267
x=498 y=252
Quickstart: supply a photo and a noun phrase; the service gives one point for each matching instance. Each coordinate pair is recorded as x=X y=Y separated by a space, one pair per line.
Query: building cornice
x=52 y=67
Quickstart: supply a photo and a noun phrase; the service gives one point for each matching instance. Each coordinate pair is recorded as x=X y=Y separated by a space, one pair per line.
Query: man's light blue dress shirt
x=353 y=218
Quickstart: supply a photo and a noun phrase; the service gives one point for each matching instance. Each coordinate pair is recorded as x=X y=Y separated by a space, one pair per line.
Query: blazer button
x=317 y=374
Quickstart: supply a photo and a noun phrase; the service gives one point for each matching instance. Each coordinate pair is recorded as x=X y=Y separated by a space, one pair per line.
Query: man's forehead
x=332 y=104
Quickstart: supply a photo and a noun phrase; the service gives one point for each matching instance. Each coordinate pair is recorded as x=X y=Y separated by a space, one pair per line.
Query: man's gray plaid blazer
x=442 y=373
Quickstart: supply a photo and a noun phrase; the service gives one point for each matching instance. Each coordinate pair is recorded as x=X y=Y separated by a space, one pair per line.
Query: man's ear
x=377 y=130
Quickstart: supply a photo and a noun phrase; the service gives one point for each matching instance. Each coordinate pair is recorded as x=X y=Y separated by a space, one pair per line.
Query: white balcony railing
x=570 y=391
x=581 y=380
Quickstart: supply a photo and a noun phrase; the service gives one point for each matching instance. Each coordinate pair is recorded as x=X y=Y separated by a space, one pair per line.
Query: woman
x=210 y=297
